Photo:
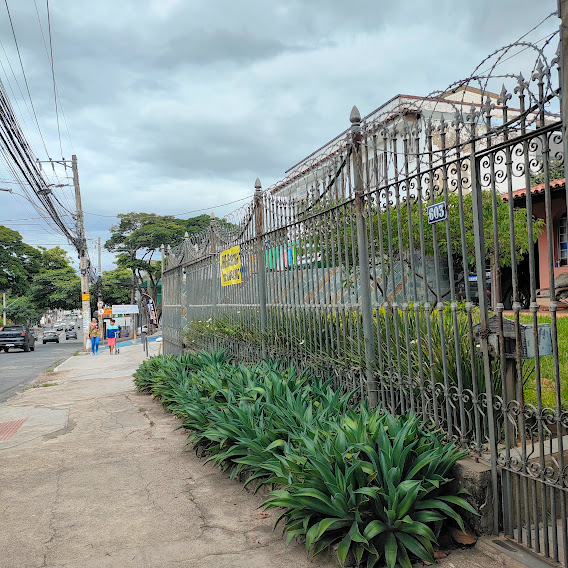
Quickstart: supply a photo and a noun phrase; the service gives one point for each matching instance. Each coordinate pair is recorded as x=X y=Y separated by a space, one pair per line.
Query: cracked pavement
x=99 y=476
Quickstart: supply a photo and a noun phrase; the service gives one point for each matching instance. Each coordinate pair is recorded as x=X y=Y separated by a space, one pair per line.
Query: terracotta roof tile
x=537 y=189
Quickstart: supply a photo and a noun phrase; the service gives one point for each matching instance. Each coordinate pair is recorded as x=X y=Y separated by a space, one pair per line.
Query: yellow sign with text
x=86 y=297
x=230 y=262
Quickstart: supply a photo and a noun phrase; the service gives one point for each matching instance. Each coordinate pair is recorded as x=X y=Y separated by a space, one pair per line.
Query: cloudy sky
x=176 y=106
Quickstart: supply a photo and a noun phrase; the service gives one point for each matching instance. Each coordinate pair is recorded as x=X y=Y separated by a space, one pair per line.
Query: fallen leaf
x=261 y=516
x=461 y=537
x=439 y=554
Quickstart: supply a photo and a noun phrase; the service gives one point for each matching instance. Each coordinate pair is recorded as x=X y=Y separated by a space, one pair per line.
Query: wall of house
x=558 y=209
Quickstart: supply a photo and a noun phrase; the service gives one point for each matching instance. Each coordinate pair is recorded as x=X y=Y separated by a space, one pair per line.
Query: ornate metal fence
x=392 y=273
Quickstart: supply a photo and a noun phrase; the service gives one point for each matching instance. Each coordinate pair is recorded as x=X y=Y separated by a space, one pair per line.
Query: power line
x=24 y=73
x=53 y=76
x=180 y=214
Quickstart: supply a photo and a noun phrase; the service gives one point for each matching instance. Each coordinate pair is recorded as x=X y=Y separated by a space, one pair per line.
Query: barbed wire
x=473 y=106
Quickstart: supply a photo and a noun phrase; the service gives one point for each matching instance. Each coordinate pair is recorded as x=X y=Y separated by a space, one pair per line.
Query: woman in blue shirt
x=112 y=334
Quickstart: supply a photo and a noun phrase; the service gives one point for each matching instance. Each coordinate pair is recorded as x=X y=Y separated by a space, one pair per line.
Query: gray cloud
x=177 y=105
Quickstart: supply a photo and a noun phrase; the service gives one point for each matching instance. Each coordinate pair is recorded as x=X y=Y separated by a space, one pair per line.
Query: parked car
x=70 y=334
x=18 y=336
x=141 y=330
x=50 y=335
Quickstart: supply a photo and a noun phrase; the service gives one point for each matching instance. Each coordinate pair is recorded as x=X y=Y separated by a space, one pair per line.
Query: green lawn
x=547 y=367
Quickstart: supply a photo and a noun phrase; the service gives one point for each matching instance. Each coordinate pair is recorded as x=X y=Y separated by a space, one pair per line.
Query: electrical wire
x=53 y=76
x=24 y=74
x=180 y=214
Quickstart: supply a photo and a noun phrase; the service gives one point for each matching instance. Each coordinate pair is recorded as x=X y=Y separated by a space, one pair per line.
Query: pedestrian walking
x=112 y=334
x=95 y=335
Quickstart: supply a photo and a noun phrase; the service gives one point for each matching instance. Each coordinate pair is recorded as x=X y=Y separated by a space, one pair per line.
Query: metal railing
x=378 y=278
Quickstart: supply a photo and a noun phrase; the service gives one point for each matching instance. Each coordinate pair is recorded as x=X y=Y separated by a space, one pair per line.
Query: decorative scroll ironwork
x=352 y=221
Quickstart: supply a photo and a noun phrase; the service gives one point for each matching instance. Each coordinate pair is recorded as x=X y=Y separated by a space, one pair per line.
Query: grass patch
x=52 y=368
x=547 y=367
x=37 y=386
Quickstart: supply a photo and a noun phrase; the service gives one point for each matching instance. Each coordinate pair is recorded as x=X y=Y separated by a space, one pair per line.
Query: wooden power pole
x=83 y=252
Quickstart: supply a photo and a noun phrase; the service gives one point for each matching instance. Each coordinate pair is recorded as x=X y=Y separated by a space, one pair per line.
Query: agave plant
x=376 y=492
x=353 y=478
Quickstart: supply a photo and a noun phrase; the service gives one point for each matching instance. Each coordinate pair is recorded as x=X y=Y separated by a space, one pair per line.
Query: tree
x=401 y=247
x=58 y=286
x=116 y=286
x=54 y=258
x=503 y=229
x=137 y=239
x=23 y=311
x=555 y=171
x=18 y=262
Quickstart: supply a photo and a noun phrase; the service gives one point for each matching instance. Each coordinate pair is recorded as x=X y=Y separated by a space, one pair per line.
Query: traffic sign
x=101 y=312
x=100 y=304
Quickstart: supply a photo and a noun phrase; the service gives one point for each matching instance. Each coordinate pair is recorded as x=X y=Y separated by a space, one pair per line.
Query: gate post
x=185 y=317
x=260 y=262
x=214 y=267
x=363 y=253
x=563 y=60
x=479 y=236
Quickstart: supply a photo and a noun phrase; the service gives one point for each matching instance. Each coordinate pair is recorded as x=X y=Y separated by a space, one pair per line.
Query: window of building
x=563 y=241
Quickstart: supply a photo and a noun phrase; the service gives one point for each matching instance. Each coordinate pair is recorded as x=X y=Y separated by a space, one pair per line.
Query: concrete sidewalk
x=95 y=475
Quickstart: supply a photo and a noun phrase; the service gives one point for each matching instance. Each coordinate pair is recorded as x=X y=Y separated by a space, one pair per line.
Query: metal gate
x=423 y=266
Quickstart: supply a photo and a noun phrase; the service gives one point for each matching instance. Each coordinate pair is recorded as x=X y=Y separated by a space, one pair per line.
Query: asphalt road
x=19 y=369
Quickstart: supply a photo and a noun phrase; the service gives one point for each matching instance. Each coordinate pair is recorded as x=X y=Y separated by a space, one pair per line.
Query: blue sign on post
x=437 y=212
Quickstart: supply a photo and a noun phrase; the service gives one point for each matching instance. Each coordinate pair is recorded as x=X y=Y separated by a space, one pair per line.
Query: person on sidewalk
x=112 y=334
x=95 y=335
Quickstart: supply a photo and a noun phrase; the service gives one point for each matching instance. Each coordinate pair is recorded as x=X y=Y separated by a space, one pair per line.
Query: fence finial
x=355 y=116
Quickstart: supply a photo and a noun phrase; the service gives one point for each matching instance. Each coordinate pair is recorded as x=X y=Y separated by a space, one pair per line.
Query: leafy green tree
x=23 y=311
x=54 y=258
x=503 y=229
x=18 y=262
x=116 y=286
x=555 y=171
x=137 y=239
x=58 y=286
x=401 y=247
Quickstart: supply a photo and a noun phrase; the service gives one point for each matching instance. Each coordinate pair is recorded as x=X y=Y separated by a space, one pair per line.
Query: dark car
x=50 y=335
x=70 y=334
x=18 y=336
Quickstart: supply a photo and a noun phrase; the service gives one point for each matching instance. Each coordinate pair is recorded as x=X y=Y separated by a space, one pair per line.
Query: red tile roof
x=537 y=189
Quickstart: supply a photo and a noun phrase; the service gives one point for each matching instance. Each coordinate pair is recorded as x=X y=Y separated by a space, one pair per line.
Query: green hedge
x=348 y=477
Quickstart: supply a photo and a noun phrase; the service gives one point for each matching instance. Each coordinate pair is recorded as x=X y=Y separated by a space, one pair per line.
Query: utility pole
x=82 y=249
x=100 y=289
x=4 y=304
x=100 y=269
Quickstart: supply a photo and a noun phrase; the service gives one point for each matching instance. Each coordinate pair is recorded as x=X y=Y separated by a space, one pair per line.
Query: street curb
x=511 y=555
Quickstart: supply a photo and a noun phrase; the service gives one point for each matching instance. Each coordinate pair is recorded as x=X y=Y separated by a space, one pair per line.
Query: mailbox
x=510 y=338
